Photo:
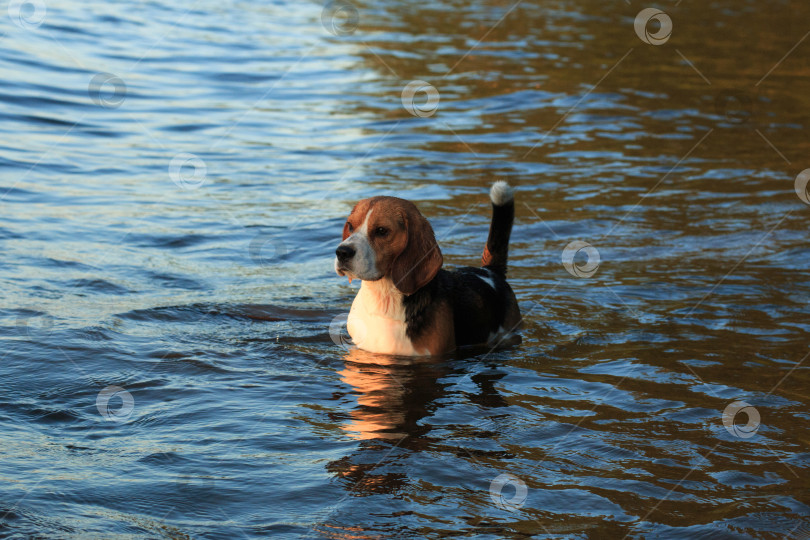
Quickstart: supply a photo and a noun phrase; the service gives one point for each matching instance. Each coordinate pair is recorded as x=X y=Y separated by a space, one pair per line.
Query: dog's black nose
x=344 y=253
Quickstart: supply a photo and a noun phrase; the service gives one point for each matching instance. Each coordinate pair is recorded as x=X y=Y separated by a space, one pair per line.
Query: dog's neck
x=385 y=320
x=377 y=320
x=383 y=299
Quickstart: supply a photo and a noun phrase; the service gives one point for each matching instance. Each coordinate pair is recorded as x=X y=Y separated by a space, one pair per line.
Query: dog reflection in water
x=392 y=394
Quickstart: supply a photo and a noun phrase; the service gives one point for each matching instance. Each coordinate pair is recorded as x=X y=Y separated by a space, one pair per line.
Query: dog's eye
x=349 y=227
x=380 y=231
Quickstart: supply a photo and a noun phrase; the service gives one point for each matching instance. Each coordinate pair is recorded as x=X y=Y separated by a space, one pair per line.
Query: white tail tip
x=501 y=193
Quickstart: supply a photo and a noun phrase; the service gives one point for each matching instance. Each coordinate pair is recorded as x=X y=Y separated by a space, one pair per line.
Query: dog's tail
x=496 y=251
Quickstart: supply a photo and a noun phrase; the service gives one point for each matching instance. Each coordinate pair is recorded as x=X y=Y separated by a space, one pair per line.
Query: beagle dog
x=407 y=303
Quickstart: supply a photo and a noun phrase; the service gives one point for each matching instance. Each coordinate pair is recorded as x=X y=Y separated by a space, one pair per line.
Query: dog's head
x=387 y=237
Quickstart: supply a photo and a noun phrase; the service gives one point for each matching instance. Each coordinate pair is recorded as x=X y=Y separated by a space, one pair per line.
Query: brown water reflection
x=677 y=163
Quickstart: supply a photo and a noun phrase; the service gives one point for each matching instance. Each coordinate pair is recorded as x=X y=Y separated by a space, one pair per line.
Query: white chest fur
x=376 y=321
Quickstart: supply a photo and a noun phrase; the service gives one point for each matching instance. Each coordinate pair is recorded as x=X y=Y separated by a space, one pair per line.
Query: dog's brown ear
x=421 y=259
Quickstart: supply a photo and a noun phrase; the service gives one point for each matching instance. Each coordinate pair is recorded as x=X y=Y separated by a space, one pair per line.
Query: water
x=173 y=181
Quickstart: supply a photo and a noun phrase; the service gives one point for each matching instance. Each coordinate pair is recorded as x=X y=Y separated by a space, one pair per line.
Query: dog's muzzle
x=344 y=253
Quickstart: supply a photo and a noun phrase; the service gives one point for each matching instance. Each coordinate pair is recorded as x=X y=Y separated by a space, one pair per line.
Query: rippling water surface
x=173 y=182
